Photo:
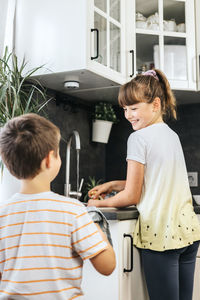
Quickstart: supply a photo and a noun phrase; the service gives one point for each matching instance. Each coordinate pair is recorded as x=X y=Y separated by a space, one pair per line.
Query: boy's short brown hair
x=25 y=141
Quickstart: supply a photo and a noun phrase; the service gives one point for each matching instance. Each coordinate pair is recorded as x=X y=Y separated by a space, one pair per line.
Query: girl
x=167 y=231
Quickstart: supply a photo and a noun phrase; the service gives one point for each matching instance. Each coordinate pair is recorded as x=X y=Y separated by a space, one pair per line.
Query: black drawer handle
x=131 y=240
x=97 y=32
x=132 y=51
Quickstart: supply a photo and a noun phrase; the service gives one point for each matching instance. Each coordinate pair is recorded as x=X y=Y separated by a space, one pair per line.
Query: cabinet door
x=196 y=291
x=99 y=287
x=179 y=44
x=197 y=12
x=51 y=33
x=107 y=49
x=131 y=280
x=165 y=39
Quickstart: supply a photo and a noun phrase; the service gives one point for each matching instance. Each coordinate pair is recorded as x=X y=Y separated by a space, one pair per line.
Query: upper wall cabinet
x=82 y=40
x=165 y=39
x=197 y=15
x=104 y=43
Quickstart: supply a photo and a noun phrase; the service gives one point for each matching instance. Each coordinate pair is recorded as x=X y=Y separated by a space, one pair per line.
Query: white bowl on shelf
x=197 y=199
x=141 y=24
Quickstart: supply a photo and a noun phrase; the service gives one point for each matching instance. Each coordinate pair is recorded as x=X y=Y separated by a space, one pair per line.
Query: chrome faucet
x=67 y=187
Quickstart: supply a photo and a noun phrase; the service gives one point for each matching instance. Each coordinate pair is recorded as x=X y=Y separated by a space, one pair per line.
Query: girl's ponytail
x=168 y=101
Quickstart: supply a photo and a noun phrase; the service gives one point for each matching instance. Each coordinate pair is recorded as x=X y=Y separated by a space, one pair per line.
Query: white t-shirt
x=44 y=239
x=167 y=219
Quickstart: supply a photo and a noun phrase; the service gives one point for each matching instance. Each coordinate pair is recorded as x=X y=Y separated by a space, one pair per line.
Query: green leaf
x=105 y=111
x=19 y=92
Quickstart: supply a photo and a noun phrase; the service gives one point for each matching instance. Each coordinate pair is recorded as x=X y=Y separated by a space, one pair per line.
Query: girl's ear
x=156 y=104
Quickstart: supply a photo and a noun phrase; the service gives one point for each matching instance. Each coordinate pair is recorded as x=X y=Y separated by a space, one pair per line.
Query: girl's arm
x=132 y=191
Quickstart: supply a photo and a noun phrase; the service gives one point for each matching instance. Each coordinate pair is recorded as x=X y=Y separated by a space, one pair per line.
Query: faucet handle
x=81 y=184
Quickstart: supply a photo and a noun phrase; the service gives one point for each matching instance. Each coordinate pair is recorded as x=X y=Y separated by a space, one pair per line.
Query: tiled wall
x=92 y=155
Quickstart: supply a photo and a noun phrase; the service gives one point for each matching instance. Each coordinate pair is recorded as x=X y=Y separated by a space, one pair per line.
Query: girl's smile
x=143 y=114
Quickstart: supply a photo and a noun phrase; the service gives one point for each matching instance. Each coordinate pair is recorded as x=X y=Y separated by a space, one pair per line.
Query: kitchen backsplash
x=92 y=155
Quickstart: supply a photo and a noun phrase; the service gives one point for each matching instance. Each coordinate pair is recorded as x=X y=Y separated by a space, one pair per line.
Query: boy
x=44 y=237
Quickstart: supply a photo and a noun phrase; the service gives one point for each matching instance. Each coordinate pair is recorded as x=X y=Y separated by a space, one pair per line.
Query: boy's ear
x=46 y=162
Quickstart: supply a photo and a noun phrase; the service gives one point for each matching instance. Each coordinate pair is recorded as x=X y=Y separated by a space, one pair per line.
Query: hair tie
x=151 y=73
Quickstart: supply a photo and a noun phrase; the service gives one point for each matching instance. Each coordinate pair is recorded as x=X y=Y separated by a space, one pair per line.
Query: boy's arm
x=105 y=261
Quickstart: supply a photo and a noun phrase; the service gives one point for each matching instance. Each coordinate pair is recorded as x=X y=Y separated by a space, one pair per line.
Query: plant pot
x=101 y=131
x=9 y=185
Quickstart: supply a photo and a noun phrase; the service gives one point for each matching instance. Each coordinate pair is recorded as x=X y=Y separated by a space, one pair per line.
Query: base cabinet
x=127 y=281
x=196 y=290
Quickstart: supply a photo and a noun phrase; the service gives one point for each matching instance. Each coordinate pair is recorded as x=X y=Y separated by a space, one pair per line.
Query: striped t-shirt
x=44 y=239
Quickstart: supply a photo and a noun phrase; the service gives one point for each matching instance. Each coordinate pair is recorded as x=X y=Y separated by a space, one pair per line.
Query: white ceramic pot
x=9 y=185
x=101 y=131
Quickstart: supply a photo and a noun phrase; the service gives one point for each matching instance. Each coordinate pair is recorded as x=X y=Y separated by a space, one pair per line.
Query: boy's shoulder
x=50 y=199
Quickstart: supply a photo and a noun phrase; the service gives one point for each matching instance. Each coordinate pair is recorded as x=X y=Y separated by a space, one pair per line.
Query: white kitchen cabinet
x=100 y=44
x=197 y=19
x=196 y=291
x=127 y=281
x=161 y=43
x=82 y=40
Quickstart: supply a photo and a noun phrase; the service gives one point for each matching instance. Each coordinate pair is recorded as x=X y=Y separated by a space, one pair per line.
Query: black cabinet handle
x=131 y=240
x=97 y=32
x=132 y=51
x=199 y=67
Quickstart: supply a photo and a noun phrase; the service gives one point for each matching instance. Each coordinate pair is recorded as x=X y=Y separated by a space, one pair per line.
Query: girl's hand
x=100 y=190
x=92 y=202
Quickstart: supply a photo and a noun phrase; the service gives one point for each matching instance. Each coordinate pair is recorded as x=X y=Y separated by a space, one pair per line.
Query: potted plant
x=104 y=117
x=19 y=94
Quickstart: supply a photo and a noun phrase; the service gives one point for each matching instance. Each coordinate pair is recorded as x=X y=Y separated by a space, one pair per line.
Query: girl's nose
x=128 y=114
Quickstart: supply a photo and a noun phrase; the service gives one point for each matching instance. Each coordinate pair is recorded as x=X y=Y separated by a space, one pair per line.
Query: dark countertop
x=127 y=213
x=197 y=209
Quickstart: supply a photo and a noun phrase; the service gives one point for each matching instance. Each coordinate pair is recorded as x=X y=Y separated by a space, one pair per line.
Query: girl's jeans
x=170 y=274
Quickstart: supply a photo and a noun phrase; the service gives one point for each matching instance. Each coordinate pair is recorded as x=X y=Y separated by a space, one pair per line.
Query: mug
x=181 y=27
x=169 y=25
x=152 y=25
